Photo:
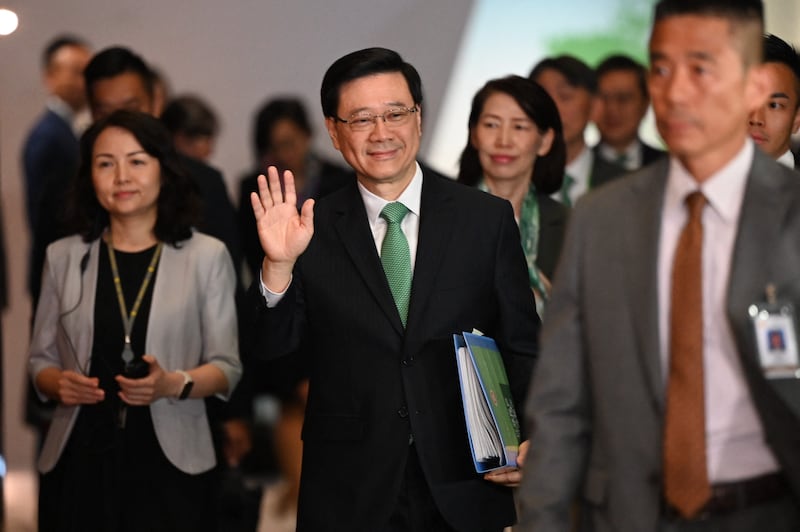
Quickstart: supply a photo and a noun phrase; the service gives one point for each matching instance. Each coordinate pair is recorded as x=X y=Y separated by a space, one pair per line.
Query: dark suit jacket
x=650 y=154
x=597 y=400
x=373 y=384
x=604 y=171
x=218 y=215
x=553 y=216
x=51 y=151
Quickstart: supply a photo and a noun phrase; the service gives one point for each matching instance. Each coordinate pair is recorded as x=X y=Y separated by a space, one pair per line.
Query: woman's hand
x=140 y=392
x=76 y=389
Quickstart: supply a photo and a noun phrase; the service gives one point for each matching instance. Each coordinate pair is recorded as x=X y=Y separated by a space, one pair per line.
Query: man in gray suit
x=621 y=367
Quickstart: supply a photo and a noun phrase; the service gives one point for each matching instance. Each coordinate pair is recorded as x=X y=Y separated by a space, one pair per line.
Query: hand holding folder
x=491 y=419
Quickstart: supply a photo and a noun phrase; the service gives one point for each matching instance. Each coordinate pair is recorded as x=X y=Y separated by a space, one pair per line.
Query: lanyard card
x=776 y=336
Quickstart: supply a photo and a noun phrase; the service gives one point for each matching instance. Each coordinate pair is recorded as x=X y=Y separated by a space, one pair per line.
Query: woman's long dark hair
x=178 y=204
x=548 y=170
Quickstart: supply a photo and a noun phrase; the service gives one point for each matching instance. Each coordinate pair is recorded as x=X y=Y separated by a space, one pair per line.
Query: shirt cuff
x=271 y=298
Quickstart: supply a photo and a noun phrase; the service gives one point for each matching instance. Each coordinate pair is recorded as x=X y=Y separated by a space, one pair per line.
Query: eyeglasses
x=363 y=121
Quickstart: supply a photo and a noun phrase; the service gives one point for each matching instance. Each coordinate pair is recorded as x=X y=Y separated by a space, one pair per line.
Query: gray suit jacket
x=597 y=397
x=192 y=322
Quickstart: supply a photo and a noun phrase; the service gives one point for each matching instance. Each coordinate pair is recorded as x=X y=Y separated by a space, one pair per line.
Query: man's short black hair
x=624 y=63
x=742 y=14
x=57 y=44
x=743 y=9
x=114 y=61
x=577 y=73
x=776 y=50
x=359 y=64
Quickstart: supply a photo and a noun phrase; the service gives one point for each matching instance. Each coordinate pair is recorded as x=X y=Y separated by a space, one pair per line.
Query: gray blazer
x=192 y=322
x=597 y=399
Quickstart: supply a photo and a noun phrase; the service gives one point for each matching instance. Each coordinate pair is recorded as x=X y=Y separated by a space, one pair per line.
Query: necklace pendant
x=127 y=353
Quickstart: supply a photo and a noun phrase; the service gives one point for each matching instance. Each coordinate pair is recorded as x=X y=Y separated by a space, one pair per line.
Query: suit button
x=403 y=412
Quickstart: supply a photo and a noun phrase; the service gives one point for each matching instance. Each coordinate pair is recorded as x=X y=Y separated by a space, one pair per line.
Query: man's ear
x=796 y=121
x=756 y=88
x=330 y=125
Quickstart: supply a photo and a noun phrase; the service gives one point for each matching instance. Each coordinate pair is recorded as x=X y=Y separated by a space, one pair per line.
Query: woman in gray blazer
x=136 y=324
x=516 y=150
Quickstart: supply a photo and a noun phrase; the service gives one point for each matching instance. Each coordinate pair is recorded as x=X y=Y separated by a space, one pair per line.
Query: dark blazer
x=218 y=215
x=553 y=216
x=372 y=384
x=597 y=400
x=650 y=154
x=604 y=171
x=51 y=151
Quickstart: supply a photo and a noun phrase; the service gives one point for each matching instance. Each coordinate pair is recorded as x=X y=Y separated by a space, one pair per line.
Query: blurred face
x=574 y=104
x=771 y=126
x=64 y=75
x=383 y=156
x=198 y=147
x=126 y=179
x=124 y=91
x=621 y=107
x=701 y=92
x=289 y=145
x=507 y=140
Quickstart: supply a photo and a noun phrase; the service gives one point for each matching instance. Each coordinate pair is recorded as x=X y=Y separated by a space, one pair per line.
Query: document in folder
x=492 y=423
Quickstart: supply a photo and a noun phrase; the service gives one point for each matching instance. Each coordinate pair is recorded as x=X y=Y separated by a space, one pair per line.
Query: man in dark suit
x=622 y=101
x=650 y=402
x=772 y=125
x=117 y=78
x=572 y=84
x=385 y=446
x=50 y=159
x=50 y=153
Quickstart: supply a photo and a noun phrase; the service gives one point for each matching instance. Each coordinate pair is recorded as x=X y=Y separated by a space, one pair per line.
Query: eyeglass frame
x=373 y=117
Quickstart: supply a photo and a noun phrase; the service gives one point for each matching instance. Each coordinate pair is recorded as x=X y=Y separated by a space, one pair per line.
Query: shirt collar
x=60 y=107
x=787 y=159
x=411 y=197
x=580 y=168
x=724 y=190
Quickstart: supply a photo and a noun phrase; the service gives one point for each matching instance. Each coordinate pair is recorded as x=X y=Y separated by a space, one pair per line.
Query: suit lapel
x=641 y=250
x=436 y=221
x=351 y=224
x=758 y=238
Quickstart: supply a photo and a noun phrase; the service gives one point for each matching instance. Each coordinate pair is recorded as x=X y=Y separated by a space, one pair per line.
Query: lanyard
x=127 y=320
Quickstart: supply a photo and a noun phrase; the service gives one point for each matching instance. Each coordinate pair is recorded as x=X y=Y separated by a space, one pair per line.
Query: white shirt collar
x=411 y=197
x=724 y=190
x=787 y=159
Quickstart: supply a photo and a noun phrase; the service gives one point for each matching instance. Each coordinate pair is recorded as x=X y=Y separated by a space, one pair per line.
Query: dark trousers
x=781 y=515
x=415 y=509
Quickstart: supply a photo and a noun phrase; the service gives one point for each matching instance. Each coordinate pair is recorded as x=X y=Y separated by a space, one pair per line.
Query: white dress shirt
x=787 y=159
x=734 y=435
x=633 y=155
x=580 y=170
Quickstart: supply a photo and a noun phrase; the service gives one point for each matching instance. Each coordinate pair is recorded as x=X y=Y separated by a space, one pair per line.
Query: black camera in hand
x=136 y=369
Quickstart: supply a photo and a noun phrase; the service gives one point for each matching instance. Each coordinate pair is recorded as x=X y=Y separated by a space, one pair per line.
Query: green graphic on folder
x=492 y=423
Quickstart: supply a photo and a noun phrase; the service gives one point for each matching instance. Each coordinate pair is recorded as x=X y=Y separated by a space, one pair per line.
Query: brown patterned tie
x=686 y=485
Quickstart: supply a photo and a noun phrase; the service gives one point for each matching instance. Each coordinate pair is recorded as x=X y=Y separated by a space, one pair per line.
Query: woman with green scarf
x=516 y=151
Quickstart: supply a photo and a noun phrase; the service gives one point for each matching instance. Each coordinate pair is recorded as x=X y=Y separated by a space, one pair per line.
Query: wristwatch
x=187 y=385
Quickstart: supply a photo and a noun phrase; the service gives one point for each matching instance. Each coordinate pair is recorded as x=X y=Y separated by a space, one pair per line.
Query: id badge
x=776 y=336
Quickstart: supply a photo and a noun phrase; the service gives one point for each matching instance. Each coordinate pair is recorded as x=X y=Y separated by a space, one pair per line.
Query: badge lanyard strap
x=127 y=321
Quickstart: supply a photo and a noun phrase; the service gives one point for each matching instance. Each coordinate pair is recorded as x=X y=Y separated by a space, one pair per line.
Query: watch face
x=187 y=389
